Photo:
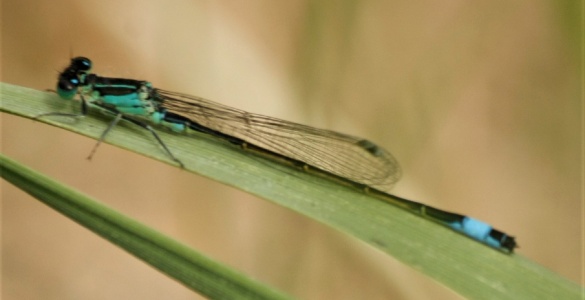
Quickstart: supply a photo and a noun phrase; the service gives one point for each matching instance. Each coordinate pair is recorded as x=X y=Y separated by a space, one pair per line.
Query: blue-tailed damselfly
x=355 y=161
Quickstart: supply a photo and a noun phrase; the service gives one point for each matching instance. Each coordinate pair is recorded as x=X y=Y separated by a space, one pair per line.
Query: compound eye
x=67 y=85
x=80 y=64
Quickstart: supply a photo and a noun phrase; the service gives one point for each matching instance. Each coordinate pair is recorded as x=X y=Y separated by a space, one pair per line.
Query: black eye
x=68 y=81
x=80 y=64
x=68 y=84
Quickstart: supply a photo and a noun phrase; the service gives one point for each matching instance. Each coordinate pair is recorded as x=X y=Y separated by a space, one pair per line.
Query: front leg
x=83 y=113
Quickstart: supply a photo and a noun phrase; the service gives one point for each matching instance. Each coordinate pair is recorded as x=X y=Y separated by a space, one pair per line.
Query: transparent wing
x=343 y=155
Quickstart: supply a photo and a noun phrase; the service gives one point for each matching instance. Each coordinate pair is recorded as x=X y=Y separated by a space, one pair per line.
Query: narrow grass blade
x=469 y=268
x=191 y=268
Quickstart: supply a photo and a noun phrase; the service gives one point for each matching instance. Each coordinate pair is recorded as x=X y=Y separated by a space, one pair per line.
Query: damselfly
x=354 y=160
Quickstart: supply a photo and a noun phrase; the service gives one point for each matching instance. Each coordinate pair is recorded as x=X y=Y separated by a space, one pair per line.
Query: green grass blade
x=466 y=266
x=192 y=269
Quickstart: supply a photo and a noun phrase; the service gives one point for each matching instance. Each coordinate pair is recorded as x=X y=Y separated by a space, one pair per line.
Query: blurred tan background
x=480 y=102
